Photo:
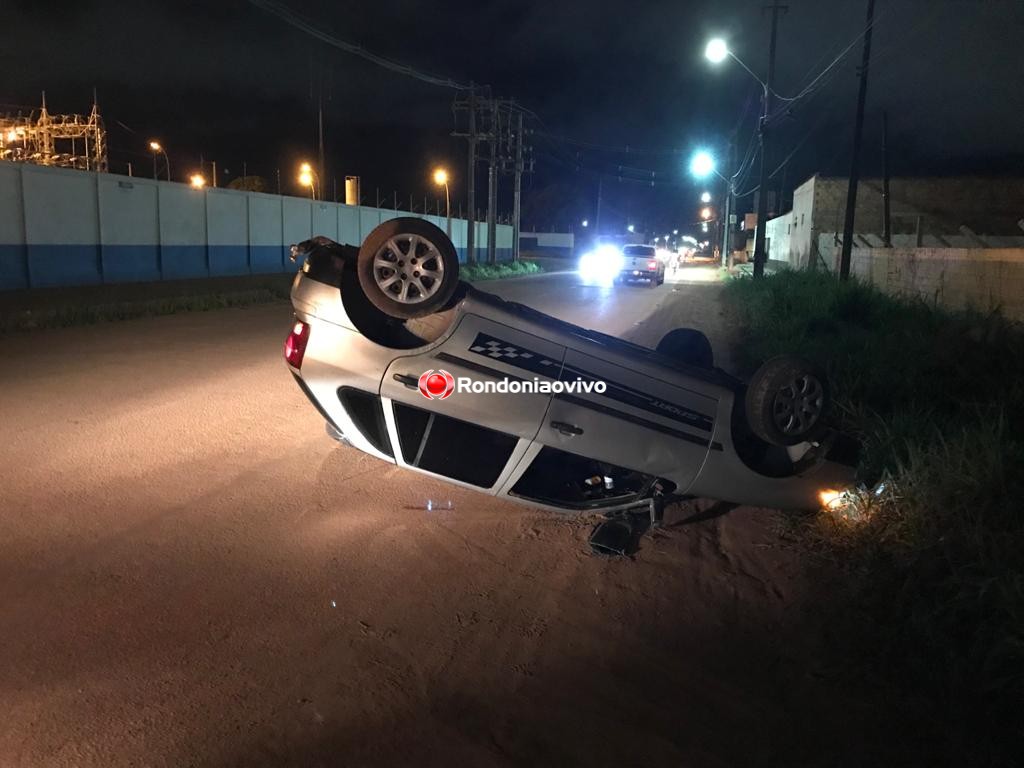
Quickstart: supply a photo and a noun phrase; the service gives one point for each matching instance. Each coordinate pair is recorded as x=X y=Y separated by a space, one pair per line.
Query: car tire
x=786 y=401
x=388 y=274
x=689 y=346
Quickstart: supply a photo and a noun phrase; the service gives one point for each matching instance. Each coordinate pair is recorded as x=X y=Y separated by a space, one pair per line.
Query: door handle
x=566 y=429
x=412 y=382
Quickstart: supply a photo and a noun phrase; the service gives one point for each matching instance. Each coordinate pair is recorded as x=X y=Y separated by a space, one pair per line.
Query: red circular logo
x=436 y=385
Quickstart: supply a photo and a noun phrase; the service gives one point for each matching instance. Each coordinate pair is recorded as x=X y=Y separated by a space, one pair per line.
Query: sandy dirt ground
x=193 y=574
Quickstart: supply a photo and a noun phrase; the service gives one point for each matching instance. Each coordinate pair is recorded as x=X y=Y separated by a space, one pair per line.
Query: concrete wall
x=777 y=238
x=63 y=227
x=987 y=206
x=549 y=243
x=953 y=277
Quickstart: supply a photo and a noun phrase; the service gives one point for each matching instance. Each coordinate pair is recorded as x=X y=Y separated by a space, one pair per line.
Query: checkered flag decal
x=496 y=349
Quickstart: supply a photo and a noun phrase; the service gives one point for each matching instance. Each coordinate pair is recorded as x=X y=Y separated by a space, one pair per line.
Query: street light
x=157 y=149
x=441 y=179
x=705 y=213
x=307 y=178
x=631 y=228
x=705 y=197
x=675 y=231
x=702 y=164
x=716 y=50
x=586 y=223
x=197 y=180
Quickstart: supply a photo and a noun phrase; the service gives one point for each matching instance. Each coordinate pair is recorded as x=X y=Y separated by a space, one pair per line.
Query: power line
x=287 y=15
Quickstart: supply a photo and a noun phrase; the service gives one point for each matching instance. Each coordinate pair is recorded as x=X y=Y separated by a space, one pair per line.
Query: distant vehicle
x=408 y=364
x=641 y=262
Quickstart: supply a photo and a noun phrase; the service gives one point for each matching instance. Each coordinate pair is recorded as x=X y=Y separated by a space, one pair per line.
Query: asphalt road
x=192 y=573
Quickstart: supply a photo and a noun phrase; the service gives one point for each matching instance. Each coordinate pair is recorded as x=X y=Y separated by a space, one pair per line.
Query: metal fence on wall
x=61 y=227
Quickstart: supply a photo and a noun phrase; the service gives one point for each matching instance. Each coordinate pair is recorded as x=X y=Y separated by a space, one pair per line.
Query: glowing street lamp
x=631 y=228
x=702 y=164
x=705 y=213
x=705 y=197
x=585 y=223
x=716 y=50
x=197 y=180
x=441 y=179
x=307 y=178
x=157 y=149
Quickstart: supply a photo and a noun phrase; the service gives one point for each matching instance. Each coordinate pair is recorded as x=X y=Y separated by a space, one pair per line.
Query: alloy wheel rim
x=798 y=405
x=408 y=269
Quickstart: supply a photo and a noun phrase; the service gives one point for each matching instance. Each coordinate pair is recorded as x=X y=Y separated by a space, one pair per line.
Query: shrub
x=931 y=582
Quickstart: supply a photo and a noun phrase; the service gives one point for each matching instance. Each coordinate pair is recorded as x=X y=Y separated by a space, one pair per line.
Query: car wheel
x=687 y=345
x=786 y=401
x=408 y=268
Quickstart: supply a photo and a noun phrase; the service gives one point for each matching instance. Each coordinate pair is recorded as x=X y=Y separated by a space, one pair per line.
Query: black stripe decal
x=652 y=425
x=493 y=348
x=483 y=370
x=638 y=399
x=491 y=372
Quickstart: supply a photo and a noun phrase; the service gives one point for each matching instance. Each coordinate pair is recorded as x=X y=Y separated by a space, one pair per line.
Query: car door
x=647 y=421
x=479 y=432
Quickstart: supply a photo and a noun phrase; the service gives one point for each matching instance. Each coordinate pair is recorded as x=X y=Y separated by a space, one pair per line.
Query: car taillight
x=652 y=264
x=295 y=344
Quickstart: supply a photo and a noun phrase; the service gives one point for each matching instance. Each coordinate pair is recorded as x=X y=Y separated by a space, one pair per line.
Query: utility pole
x=469 y=105
x=518 y=189
x=762 y=131
x=492 y=188
x=886 y=213
x=729 y=193
x=597 y=219
x=858 y=134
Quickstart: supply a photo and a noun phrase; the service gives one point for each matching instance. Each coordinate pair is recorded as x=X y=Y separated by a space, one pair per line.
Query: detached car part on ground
x=370 y=321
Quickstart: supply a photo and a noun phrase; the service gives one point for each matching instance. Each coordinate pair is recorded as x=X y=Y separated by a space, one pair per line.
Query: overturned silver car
x=410 y=365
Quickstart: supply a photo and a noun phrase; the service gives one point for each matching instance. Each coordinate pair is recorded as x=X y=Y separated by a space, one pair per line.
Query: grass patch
x=474 y=272
x=65 y=307
x=927 y=589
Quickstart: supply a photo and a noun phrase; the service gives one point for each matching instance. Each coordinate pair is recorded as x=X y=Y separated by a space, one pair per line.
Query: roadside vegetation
x=923 y=581
x=85 y=305
x=475 y=272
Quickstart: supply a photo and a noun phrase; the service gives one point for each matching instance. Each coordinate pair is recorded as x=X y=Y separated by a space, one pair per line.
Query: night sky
x=233 y=83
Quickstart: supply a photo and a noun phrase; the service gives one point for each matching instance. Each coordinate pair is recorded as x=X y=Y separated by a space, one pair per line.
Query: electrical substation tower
x=66 y=141
x=499 y=124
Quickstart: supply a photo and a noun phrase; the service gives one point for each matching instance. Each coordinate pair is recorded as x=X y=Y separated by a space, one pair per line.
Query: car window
x=366 y=413
x=638 y=250
x=451 y=447
x=569 y=480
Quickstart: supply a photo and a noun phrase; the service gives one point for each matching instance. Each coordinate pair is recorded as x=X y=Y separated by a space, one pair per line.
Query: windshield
x=638 y=250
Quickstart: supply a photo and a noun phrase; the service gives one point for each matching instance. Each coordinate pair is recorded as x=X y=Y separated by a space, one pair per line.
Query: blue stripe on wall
x=54 y=265
x=181 y=262
x=229 y=260
x=130 y=263
x=61 y=265
x=269 y=258
x=13 y=273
